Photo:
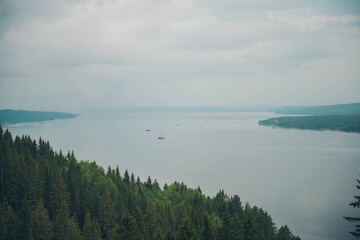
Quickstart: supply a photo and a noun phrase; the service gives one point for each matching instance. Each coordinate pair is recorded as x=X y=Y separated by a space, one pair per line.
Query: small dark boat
x=161 y=138
x=148 y=130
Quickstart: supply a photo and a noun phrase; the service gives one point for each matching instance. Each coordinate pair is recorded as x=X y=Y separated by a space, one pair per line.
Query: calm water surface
x=304 y=179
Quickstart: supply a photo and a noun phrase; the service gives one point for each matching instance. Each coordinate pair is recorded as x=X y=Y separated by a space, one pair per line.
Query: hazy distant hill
x=345 y=123
x=339 y=109
x=20 y=116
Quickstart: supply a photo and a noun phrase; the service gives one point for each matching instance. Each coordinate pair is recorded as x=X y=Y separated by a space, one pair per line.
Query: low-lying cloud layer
x=111 y=53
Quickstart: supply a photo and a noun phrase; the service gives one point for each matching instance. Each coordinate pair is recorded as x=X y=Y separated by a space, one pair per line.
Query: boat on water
x=161 y=138
x=148 y=130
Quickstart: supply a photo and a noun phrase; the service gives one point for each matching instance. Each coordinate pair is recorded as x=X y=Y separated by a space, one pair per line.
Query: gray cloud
x=89 y=53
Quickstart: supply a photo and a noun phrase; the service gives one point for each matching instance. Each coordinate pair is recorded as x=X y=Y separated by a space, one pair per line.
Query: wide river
x=304 y=179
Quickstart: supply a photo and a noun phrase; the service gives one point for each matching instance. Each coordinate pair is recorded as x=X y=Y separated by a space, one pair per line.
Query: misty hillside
x=339 y=109
x=344 y=123
x=20 y=116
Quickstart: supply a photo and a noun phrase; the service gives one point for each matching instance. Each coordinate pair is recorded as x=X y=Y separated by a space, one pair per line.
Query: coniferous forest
x=48 y=195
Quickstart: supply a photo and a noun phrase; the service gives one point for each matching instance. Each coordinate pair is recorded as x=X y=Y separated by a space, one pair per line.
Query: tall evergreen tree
x=91 y=230
x=207 y=232
x=148 y=183
x=132 y=178
x=355 y=204
x=10 y=224
x=126 y=177
x=66 y=227
x=127 y=228
x=285 y=234
x=249 y=224
x=186 y=230
x=107 y=214
x=42 y=227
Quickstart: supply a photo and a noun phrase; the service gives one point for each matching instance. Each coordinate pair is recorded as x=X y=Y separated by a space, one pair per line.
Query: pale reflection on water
x=304 y=179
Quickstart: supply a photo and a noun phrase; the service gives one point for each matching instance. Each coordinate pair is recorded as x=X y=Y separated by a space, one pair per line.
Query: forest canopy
x=47 y=195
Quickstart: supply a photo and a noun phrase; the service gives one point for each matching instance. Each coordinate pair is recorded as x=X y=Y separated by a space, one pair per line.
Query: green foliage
x=42 y=228
x=186 y=230
x=91 y=229
x=285 y=234
x=46 y=195
x=355 y=204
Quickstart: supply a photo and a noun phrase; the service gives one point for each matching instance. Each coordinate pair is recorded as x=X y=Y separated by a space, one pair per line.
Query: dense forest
x=345 y=123
x=10 y=116
x=48 y=195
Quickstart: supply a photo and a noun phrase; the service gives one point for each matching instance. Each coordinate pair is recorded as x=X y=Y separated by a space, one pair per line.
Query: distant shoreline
x=10 y=116
x=343 y=123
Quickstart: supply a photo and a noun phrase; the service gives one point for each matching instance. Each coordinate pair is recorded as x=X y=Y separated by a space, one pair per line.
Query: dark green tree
x=207 y=232
x=249 y=224
x=132 y=179
x=126 y=177
x=148 y=183
x=127 y=228
x=65 y=227
x=186 y=230
x=355 y=204
x=10 y=224
x=91 y=229
x=42 y=227
x=285 y=234
x=107 y=214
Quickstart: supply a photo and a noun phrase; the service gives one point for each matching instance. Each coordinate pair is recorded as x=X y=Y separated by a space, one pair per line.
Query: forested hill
x=339 y=109
x=20 y=116
x=344 y=123
x=47 y=195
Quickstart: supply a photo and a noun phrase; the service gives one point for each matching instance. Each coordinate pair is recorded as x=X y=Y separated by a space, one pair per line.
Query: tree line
x=47 y=195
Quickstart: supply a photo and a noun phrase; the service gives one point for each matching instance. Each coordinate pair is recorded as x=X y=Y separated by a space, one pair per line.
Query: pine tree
x=132 y=178
x=148 y=183
x=186 y=230
x=225 y=232
x=58 y=193
x=10 y=224
x=127 y=228
x=91 y=229
x=138 y=182
x=355 y=204
x=249 y=224
x=65 y=227
x=207 y=231
x=237 y=230
x=107 y=214
x=150 y=221
x=117 y=171
x=285 y=234
x=34 y=184
x=42 y=227
x=126 y=177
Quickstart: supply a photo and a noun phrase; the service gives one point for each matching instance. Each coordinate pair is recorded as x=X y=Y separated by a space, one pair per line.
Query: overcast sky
x=78 y=54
